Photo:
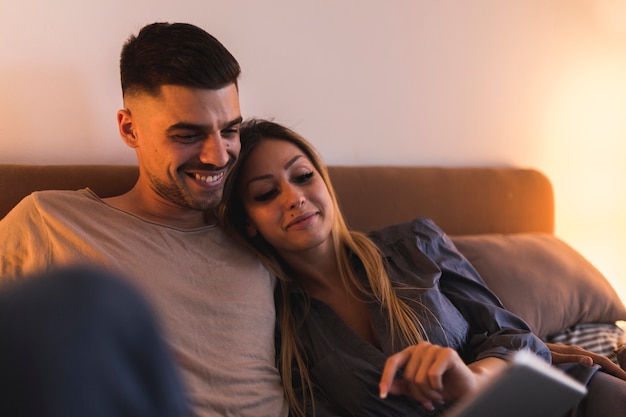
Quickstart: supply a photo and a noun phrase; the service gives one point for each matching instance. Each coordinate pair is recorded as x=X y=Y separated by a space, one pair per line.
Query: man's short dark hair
x=175 y=54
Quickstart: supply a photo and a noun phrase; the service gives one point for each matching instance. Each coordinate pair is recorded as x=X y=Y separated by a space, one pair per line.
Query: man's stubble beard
x=179 y=195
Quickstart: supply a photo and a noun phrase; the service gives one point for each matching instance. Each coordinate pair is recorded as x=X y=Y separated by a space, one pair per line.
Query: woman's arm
x=434 y=375
x=573 y=354
x=421 y=255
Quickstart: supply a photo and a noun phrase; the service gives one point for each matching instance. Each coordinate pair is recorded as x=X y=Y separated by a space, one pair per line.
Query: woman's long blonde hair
x=403 y=320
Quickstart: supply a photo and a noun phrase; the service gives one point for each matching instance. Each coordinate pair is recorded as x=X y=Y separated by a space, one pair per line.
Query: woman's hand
x=567 y=354
x=432 y=374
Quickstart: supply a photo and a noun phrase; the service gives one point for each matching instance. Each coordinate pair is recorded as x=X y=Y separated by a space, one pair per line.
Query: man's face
x=186 y=140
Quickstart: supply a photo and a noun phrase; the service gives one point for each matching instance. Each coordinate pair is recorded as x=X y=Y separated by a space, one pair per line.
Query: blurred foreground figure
x=80 y=342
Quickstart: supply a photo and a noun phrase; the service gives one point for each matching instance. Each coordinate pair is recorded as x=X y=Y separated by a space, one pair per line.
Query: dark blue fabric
x=79 y=342
x=455 y=306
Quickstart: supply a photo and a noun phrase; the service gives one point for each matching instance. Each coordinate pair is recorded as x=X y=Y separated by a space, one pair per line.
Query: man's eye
x=193 y=137
x=230 y=132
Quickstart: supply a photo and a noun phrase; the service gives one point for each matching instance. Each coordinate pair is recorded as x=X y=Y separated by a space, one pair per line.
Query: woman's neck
x=315 y=270
x=319 y=276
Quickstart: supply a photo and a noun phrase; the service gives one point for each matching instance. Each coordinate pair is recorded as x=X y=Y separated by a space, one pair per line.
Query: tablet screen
x=527 y=387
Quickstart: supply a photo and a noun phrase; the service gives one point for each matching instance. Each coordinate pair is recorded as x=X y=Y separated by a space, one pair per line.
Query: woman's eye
x=265 y=196
x=301 y=179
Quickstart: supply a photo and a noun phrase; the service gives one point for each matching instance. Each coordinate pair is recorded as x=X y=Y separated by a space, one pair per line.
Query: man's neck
x=163 y=213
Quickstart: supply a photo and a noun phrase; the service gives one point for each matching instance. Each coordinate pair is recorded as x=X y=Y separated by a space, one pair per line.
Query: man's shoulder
x=57 y=203
x=51 y=195
x=45 y=200
x=63 y=196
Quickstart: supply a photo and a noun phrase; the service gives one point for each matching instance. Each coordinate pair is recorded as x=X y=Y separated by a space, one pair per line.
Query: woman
x=394 y=323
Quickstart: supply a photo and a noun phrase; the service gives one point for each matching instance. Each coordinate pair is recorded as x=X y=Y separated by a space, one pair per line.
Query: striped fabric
x=600 y=338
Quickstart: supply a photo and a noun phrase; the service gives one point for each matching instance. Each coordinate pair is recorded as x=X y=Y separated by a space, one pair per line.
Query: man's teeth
x=208 y=178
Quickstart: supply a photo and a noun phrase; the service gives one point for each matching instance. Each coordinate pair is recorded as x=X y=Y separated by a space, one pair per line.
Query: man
x=214 y=300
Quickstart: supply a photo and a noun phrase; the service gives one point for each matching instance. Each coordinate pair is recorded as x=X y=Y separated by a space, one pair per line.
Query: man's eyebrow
x=201 y=127
x=235 y=121
x=187 y=126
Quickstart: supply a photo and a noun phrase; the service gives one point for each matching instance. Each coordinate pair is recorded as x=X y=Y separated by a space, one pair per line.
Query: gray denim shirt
x=455 y=307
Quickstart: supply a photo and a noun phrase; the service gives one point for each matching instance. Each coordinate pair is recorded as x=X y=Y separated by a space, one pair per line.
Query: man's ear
x=126 y=127
x=251 y=229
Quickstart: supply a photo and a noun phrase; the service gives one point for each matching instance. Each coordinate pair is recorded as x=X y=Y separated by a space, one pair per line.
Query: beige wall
x=538 y=83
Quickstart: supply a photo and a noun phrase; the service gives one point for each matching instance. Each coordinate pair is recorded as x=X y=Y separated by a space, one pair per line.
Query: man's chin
x=207 y=203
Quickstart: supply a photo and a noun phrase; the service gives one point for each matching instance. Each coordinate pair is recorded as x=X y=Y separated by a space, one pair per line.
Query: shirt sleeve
x=493 y=330
x=24 y=243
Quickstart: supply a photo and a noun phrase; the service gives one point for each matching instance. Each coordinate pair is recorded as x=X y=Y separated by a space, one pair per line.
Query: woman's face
x=285 y=198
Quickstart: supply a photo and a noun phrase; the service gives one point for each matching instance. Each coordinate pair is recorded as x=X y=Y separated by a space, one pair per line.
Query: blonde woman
x=394 y=323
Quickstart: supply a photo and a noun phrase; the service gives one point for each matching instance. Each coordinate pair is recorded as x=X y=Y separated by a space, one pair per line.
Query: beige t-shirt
x=214 y=298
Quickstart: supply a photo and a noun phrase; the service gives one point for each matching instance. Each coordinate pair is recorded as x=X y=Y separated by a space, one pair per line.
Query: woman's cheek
x=266 y=221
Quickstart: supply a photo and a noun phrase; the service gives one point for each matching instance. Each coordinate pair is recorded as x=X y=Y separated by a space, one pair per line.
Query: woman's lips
x=302 y=220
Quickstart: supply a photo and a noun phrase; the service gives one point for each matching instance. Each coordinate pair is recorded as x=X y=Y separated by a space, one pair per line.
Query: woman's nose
x=298 y=202
x=293 y=197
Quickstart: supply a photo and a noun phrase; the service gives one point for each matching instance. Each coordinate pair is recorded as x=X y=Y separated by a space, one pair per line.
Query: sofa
x=501 y=219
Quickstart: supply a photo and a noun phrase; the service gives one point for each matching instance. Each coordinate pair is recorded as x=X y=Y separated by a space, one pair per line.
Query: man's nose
x=214 y=151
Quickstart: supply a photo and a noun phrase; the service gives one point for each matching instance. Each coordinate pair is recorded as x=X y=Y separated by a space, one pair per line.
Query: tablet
x=528 y=386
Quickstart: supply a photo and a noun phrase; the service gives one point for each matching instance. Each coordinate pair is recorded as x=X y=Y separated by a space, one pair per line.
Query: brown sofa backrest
x=461 y=200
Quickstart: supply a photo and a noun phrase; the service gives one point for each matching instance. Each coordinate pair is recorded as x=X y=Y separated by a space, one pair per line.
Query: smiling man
x=186 y=141
x=212 y=298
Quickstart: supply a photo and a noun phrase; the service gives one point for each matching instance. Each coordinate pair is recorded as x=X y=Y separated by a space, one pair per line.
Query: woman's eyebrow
x=266 y=176
x=292 y=161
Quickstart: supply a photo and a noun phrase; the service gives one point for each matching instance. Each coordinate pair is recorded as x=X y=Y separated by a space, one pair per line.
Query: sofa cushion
x=543 y=280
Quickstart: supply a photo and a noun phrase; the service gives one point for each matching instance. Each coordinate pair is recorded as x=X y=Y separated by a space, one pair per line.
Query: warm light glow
x=585 y=157
x=611 y=16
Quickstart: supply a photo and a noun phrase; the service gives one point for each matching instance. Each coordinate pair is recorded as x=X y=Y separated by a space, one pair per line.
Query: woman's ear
x=251 y=229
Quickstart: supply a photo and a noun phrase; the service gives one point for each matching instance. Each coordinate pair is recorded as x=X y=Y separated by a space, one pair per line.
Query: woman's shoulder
x=419 y=242
x=421 y=231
